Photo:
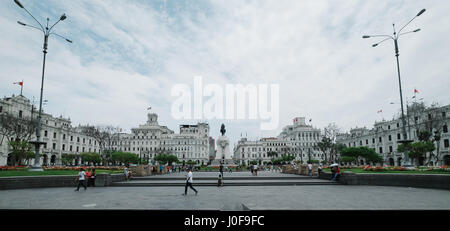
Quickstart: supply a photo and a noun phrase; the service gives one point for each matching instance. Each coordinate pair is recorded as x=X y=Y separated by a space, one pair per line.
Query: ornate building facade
x=384 y=136
x=147 y=140
x=298 y=139
x=59 y=135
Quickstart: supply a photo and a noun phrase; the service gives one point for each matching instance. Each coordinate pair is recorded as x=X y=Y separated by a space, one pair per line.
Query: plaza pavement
x=231 y=198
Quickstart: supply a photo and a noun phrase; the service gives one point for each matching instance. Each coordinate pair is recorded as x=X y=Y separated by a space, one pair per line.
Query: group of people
x=83 y=176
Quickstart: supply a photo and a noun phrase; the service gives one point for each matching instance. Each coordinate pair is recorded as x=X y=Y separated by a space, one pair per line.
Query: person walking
x=219 y=181
x=189 y=182
x=81 y=179
x=310 y=169
x=221 y=169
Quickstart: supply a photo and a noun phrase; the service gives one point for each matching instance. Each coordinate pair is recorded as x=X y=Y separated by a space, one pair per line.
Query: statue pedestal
x=223 y=155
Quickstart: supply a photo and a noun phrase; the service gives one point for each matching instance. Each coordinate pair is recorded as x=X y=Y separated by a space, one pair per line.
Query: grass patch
x=25 y=172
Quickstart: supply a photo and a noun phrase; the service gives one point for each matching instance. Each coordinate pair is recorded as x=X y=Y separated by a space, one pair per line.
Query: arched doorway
x=10 y=160
x=53 y=160
x=44 y=162
x=399 y=161
x=391 y=162
x=447 y=160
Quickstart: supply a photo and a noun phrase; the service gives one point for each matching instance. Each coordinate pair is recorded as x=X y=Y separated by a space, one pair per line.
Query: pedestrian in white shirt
x=189 y=182
x=81 y=179
x=310 y=169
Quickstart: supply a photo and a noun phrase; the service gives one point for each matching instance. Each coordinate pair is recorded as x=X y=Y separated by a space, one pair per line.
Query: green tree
x=91 y=157
x=167 y=158
x=67 y=158
x=417 y=150
x=20 y=150
x=353 y=153
x=124 y=157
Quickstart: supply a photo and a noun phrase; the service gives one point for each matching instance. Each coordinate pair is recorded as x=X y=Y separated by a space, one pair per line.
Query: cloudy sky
x=128 y=55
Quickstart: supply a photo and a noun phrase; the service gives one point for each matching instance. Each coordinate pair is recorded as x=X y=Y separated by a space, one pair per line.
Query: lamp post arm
x=68 y=40
x=406 y=24
x=382 y=35
x=34 y=18
x=54 y=25
x=23 y=24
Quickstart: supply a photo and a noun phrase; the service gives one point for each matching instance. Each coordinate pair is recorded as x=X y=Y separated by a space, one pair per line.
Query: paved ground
x=322 y=197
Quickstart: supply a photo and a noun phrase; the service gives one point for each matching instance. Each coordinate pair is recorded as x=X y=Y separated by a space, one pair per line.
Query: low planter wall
x=21 y=182
x=437 y=181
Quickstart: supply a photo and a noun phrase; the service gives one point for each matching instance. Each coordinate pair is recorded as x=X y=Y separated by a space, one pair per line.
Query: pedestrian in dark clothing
x=81 y=179
x=220 y=182
x=221 y=170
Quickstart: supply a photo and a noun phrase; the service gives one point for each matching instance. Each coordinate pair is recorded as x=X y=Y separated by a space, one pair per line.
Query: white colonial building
x=384 y=136
x=147 y=140
x=151 y=139
x=298 y=139
x=59 y=135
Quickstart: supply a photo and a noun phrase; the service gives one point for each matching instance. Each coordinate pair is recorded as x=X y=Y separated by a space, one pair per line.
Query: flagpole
x=21 y=87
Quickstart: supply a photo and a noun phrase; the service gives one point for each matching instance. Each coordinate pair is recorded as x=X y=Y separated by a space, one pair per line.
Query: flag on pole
x=415 y=91
x=149 y=108
x=379 y=111
x=310 y=120
x=21 y=86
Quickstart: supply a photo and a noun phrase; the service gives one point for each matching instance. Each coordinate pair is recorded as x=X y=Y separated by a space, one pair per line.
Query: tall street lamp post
x=47 y=32
x=395 y=38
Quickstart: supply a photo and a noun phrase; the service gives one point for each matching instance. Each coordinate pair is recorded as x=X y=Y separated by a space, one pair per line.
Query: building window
x=390 y=148
x=390 y=137
x=443 y=113
x=54 y=146
x=64 y=136
x=379 y=139
x=71 y=138
x=446 y=144
x=54 y=135
x=63 y=147
x=45 y=133
x=20 y=114
x=367 y=141
x=381 y=149
x=389 y=127
x=445 y=128
x=398 y=136
x=70 y=148
x=1 y=109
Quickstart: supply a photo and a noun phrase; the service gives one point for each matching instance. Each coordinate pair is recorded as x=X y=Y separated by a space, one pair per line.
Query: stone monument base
x=224 y=162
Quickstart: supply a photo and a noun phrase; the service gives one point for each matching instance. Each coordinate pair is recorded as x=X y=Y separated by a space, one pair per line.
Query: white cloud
x=128 y=55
